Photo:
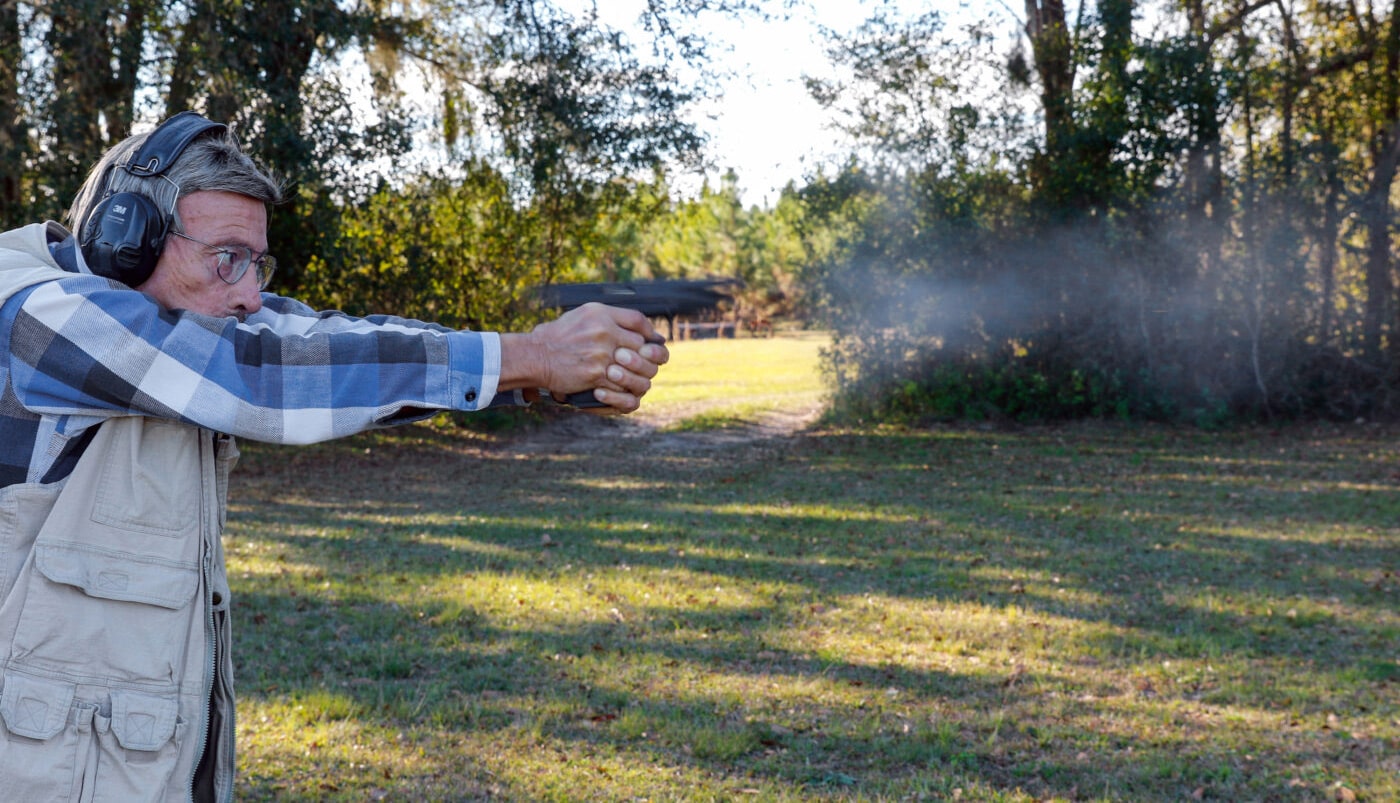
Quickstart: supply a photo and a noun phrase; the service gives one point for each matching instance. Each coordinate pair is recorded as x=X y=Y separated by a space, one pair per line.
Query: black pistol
x=654 y=298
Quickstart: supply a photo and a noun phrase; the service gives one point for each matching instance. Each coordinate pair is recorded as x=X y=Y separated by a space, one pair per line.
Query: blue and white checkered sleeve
x=288 y=377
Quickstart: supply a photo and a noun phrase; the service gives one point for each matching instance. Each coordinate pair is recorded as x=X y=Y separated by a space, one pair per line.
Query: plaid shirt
x=82 y=349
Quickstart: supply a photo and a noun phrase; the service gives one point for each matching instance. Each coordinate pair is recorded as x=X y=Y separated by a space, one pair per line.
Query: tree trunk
x=82 y=54
x=13 y=137
x=1054 y=62
x=1204 y=180
x=1376 y=213
x=96 y=51
x=1107 y=124
x=1052 y=51
x=130 y=39
x=1375 y=206
x=1327 y=239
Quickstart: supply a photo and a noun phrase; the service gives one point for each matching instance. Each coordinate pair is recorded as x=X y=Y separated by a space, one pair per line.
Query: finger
x=634 y=362
x=656 y=353
x=627 y=381
x=616 y=402
x=637 y=324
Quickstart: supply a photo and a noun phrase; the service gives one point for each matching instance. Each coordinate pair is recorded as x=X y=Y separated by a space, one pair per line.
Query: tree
x=14 y=140
x=1052 y=48
x=560 y=107
x=273 y=69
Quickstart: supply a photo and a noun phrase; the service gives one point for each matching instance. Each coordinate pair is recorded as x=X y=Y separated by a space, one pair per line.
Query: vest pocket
x=34 y=708
x=44 y=737
x=143 y=722
x=120 y=576
x=23 y=509
x=137 y=748
x=89 y=609
x=156 y=491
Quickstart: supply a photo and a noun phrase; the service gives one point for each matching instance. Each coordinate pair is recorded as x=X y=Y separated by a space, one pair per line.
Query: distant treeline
x=1179 y=210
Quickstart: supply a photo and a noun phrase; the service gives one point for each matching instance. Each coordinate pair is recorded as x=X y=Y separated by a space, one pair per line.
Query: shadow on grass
x=1023 y=595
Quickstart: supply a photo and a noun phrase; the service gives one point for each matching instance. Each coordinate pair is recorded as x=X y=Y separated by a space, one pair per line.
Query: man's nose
x=248 y=298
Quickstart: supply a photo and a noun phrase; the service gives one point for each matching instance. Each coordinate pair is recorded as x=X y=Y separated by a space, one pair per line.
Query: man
x=136 y=350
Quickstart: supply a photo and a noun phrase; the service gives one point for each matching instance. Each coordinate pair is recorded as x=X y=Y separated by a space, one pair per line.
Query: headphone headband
x=167 y=142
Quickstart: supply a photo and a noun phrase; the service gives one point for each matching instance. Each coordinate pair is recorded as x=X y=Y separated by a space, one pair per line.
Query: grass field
x=1083 y=613
x=718 y=383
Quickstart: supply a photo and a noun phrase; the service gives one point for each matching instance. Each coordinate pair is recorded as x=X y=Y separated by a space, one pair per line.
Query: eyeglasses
x=234 y=261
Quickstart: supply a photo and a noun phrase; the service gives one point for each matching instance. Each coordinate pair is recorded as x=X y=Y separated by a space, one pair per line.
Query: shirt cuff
x=490 y=369
x=474 y=370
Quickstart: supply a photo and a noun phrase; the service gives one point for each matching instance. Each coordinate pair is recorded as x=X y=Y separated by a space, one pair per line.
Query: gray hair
x=209 y=163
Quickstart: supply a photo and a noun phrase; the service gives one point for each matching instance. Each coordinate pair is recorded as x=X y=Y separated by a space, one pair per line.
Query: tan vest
x=114 y=609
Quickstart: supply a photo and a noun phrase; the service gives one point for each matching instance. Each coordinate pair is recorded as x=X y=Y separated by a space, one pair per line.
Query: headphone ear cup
x=124 y=238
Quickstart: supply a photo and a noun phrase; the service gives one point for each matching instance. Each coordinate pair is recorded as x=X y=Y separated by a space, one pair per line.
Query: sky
x=766 y=127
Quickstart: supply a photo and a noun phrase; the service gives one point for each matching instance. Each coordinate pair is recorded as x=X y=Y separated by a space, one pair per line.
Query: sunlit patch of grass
x=721 y=384
x=712 y=421
x=621 y=484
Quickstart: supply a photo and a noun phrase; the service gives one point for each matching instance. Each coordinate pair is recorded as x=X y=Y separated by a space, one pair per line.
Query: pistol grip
x=583 y=399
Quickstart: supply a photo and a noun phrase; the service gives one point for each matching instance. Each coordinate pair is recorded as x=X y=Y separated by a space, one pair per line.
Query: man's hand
x=611 y=351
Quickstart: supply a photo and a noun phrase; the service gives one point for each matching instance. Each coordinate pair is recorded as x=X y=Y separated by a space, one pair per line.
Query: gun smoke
x=1103 y=321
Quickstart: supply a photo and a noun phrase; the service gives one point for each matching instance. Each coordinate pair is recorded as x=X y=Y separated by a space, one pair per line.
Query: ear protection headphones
x=123 y=236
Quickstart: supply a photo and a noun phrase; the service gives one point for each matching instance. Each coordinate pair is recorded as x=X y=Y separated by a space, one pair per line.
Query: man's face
x=185 y=276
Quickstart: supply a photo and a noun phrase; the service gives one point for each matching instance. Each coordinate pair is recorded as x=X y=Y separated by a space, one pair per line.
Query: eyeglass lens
x=234 y=262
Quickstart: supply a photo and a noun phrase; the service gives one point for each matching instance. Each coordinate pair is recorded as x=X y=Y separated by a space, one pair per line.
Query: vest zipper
x=207 y=593
x=208 y=685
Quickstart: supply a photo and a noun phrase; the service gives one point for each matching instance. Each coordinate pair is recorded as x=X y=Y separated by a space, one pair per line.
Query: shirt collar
x=64 y=248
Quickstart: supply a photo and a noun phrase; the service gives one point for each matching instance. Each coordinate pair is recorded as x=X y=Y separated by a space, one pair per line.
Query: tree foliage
x=1199 y=225
x=545 y=126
